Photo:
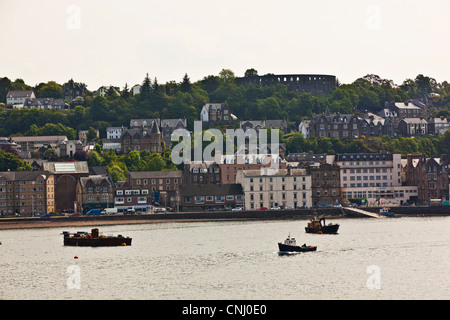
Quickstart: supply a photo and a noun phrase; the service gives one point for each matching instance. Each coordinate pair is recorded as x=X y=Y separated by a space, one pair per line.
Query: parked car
x=46 y=215
x=237 y=209
x=275 y=208
x=75 y=214
x=263 y=208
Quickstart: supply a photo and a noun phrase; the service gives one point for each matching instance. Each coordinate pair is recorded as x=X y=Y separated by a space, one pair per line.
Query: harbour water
x=404 y=258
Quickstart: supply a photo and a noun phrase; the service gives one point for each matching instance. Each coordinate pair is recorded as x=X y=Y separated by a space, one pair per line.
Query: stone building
x=94 y=192
x=325 y=185
x=26 y=193
x=287 y=188
x=430 y=175
x=144 y=138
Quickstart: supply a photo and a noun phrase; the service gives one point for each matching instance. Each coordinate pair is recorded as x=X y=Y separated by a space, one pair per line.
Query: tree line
x=184 y=99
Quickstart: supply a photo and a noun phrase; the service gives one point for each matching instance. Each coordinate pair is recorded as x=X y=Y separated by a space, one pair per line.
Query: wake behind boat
x=94 y=239
x=290 y=245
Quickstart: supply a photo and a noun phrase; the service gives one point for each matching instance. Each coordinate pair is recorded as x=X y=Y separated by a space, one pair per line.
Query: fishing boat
x=385 y=212
x=319 y=226
x=290 y=245
x=94 y=239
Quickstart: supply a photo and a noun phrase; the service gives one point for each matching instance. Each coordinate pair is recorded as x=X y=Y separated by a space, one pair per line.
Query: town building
x=144 y=189
x=168 y=126
x=26 y=193
x=282 y=125
x=144 y=138
x=437 y=126
x=201 y=173
x=213 y=114
x=325 y=185
x=334 y=126
x=94 y=192
x=287 y=188
x=15 y=97
x=44 y=103
x=66 y=176
x=114 y=132
x=27 y=145
x=375 y=177
x=71 y=90
x=413 y=127
x=211 y=197
x=430 y=176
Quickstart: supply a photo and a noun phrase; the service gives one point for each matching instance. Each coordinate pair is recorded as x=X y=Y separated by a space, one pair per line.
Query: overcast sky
x=112 y=42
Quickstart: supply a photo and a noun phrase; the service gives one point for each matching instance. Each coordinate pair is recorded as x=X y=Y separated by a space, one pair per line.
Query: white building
x=113 y=132
x=19 y=97
x=376 y=177
x=303 y=128
x=286 y=188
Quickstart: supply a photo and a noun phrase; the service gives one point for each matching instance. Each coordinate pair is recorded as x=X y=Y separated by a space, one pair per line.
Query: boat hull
x=333 y=229
x=289 y=248
x=97 y=242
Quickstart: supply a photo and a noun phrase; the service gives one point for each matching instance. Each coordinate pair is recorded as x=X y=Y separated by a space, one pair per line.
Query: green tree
x=9 y=161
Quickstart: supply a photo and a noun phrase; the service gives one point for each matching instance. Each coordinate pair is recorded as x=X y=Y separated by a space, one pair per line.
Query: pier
x=367 y=213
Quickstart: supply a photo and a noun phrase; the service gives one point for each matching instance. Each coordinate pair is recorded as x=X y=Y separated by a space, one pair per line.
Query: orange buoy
x=319 y=232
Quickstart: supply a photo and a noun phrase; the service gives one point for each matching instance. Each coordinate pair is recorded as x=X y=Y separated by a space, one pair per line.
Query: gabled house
x=71 y=90
x=144 y=138
x=18 y=97
x=94 y=192
x=269 y=124
x=215 y=113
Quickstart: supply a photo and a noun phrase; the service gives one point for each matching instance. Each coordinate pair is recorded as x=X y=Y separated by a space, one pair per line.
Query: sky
x=112 y=42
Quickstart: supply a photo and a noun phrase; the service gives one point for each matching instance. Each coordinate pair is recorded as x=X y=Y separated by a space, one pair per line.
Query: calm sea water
x=405 y=258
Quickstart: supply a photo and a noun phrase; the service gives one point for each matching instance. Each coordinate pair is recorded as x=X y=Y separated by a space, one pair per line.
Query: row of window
x=153 y=181
x=283 y=196
x=217 y=199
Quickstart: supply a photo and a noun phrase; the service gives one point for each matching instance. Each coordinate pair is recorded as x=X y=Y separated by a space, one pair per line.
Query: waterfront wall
x=240 y=215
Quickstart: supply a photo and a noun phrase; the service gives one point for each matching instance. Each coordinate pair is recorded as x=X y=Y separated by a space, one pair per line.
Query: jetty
x=367 y=213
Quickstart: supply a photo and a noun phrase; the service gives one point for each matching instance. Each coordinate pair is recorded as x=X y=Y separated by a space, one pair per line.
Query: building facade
x=375 y=177
x=144 y=189
x=94 y=192
x=144 y=138
x=26 y=193
x=287 y=188
x=429 y=175
x=211 y=197
x=325 y=185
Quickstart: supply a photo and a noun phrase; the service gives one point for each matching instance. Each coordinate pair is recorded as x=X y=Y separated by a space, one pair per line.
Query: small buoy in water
x=124 y=244
x=76 y=257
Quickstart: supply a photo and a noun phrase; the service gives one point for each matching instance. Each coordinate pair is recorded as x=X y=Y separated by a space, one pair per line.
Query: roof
x=172 y=123
x=24 y=175
x=155 y=174
x=414 y=120
x=408 y=105
x=96 y=180
x=19 y=94
x=211 y=190
x=143 y=122
x=67 y=167
x=280 y=172
x=364 y=157
x=39 y=138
